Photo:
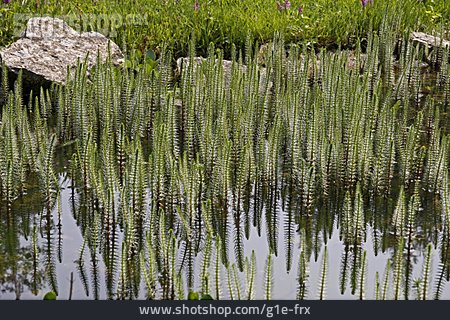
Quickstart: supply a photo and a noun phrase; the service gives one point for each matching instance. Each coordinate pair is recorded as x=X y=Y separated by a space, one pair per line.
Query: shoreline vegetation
x=148 y=24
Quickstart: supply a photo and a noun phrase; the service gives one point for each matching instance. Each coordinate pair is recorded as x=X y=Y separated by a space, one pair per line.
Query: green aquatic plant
x=442 y=272
x=93 y=245
x=363 y=276
x=399 y=215
x=205 y=265
x=82 y=268
x=386 y=281
x=358 y=233
x=48 y=179
x=302 y=274
x=236 y=282
x=426 y=272
x=377 y=286
x=323 y=275
x=217 y=271
x=149 y=268
x=268 y=278
x=346 y=232
x=250 y=272
x=35 y=261
x=398 y=269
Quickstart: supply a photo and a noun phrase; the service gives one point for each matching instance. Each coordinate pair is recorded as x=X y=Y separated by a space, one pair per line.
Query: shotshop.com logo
x=106 y=24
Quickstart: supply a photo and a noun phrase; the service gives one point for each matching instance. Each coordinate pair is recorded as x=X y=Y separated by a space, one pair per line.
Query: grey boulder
x=49 y=47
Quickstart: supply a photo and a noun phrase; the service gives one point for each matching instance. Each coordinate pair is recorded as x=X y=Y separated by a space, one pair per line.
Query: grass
x=224 y=22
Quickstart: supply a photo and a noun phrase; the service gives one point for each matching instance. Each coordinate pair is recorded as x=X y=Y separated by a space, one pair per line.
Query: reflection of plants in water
x=164 y=175
x=323 y=275
x=268 y=278
x=20 y=269
x=19 y=274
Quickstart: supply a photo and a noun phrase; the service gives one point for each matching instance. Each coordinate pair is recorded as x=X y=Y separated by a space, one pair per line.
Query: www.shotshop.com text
x=225 y=311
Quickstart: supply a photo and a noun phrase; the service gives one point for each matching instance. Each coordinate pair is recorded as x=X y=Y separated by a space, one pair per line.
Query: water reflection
x=26 y=264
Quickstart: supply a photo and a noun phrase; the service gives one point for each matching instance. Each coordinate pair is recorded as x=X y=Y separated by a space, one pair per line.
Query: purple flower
x=279 y=6
x=364 y=3
x=283 y=6
x=6 y=1
x=196 y=6
x=300 y=9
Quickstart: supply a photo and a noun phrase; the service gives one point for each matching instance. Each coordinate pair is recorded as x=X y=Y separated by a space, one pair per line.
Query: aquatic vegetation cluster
x=169 y=174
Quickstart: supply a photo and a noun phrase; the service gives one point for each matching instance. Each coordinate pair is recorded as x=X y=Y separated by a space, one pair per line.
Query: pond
x=305 y=178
